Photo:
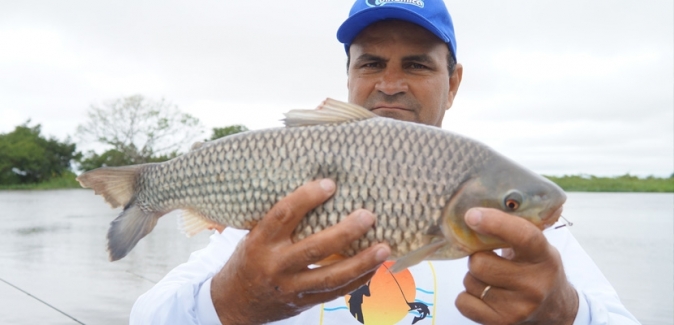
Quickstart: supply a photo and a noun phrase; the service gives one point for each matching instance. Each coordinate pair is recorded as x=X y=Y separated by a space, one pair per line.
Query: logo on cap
x=379 y=3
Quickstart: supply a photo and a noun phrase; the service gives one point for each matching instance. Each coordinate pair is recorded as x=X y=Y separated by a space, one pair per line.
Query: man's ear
x=454 y=83
x=348 y=65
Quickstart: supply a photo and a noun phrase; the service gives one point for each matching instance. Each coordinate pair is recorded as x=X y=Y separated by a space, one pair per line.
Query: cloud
x=538 y=66
x=561 y=87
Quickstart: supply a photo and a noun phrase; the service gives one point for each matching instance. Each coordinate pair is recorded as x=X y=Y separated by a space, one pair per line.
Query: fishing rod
x=42 y=301
x=142 y=277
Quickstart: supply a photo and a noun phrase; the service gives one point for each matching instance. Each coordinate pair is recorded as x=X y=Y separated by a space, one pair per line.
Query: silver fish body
x=411 y=176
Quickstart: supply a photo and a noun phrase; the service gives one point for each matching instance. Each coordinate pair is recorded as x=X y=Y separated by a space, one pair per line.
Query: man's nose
x=392 y=82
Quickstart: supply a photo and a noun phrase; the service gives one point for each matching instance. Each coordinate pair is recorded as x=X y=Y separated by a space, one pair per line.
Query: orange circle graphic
x=385 y=303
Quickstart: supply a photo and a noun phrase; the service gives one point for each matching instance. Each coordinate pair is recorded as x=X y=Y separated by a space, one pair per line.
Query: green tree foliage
x=113 y=157
x=28 y=157
x=228 y=130
x=624 y=183
x=136 y=130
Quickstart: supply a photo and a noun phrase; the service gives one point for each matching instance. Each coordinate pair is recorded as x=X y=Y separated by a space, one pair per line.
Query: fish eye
x=513 y=200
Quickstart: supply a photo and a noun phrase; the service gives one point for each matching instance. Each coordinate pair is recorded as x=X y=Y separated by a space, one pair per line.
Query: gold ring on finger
x=484 y=292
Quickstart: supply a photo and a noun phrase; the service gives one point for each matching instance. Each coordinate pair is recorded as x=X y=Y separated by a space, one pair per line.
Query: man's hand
x=267 y=278
x=528 y=284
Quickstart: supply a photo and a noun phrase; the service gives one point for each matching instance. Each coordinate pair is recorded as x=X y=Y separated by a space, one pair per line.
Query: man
x=402 y=64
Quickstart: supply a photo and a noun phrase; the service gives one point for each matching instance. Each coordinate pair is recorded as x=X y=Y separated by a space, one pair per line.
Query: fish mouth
x=552 y=217
x=553 y=211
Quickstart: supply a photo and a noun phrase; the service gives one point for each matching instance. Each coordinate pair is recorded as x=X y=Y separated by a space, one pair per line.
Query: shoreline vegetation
x=570 y=183
x=624 y=183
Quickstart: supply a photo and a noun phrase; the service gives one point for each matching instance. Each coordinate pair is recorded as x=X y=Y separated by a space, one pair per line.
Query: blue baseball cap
x=429 y=14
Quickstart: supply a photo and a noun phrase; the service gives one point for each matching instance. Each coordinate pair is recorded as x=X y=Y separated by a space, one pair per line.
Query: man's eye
x=371 y=65
x=417 y=66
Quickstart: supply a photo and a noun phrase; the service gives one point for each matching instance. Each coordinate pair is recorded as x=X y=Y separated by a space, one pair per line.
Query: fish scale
x=359 y=183
x=407 y=174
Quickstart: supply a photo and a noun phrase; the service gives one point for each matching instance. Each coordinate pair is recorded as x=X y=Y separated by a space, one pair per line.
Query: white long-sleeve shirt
x=183 y=295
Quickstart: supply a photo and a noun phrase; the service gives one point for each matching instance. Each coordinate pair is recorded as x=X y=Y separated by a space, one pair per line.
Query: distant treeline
x=625 y=183
x=134 y=129
x=27 y=157
x=28 y=160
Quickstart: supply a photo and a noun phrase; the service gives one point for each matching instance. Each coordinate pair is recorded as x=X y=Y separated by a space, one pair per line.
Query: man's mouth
x=389 y=108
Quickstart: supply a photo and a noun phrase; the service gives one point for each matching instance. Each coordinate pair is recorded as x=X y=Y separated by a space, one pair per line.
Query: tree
x=113 y=157
x=228 y=130
x=28 y=157
x=138 y=130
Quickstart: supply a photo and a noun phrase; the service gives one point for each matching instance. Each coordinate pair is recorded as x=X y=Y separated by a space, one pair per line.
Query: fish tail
x=128 y=228
x=117 y=186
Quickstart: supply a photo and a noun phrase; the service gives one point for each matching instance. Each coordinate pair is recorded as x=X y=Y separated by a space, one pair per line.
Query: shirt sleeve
x=183 y=295
x=598 y=302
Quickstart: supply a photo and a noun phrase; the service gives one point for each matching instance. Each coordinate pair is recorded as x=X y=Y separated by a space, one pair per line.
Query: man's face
x=399 y=70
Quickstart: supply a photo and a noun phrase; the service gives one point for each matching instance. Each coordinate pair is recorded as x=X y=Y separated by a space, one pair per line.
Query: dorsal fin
x=330 y=111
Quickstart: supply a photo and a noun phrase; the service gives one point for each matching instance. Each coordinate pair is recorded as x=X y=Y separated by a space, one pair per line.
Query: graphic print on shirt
x=406 y=297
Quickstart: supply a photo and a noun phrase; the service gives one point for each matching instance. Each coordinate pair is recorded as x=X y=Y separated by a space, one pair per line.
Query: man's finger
x=473 y=285
x=333 y=239
x=284 y=216
x=490 y=268
x=475 y=309
x=340 y=274
x=526 y=239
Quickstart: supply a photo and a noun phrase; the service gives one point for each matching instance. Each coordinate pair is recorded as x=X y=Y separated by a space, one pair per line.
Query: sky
x=562 y=87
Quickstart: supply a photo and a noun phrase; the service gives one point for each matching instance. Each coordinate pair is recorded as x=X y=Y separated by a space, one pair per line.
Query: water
x=630 y=237
x=52 y=246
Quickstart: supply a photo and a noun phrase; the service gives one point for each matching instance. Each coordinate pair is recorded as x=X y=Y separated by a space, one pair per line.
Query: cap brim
x=348 y=31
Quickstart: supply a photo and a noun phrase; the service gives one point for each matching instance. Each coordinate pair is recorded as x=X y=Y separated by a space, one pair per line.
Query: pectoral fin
x=415 y=257
x=193 y=222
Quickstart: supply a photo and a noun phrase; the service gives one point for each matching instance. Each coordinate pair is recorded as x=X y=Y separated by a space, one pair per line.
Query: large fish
x=418 y=180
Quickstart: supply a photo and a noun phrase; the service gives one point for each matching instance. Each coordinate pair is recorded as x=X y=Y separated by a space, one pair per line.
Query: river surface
x=54 y=267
